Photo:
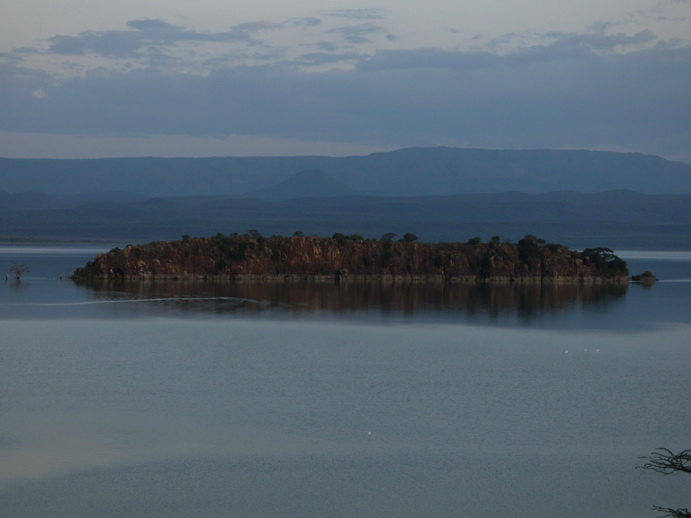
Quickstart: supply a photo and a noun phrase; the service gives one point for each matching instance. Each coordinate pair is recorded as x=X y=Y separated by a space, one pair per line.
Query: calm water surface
x=189 y=399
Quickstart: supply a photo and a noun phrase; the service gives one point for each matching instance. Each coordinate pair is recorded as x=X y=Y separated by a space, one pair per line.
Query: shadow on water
x=523 y=302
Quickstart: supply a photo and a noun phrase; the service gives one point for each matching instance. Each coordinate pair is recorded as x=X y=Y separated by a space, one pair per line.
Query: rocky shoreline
x=254 y=258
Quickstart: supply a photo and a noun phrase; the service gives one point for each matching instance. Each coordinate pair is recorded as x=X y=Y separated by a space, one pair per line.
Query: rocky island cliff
x=344 y=258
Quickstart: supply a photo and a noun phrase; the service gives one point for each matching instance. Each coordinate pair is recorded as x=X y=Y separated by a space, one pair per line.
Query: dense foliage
x=341 y=256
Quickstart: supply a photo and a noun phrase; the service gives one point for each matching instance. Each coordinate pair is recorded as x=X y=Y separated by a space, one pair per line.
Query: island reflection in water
x=522 y=301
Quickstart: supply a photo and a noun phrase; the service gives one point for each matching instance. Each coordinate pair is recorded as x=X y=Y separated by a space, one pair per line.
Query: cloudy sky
x=90 y=78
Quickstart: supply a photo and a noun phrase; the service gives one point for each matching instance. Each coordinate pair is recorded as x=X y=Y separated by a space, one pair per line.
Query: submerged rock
x=646 y=277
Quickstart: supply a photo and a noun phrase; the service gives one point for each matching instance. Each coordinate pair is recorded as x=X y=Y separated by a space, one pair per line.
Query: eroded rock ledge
x=342 y=258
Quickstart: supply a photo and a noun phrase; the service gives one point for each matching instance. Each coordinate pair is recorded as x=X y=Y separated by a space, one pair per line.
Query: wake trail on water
x=132 y=301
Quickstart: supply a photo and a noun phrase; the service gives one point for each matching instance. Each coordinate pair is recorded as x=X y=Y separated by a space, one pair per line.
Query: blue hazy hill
x=405 y=172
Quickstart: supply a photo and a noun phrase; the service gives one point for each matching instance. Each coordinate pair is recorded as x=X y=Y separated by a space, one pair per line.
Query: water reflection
x=525 y=302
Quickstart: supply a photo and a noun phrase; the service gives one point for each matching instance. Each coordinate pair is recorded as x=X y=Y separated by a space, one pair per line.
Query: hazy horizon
x=280 y=149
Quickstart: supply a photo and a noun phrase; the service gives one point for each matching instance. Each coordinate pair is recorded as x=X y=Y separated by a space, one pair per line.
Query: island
x=342 y=258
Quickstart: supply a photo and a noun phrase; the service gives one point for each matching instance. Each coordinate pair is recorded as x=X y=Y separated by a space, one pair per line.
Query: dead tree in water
x=666 y=462
x=16 y=271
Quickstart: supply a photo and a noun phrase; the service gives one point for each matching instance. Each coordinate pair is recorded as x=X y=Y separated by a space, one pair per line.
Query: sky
x=90 y=78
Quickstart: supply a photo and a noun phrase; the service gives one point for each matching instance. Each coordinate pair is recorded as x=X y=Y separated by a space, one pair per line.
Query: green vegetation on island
x=343 y=258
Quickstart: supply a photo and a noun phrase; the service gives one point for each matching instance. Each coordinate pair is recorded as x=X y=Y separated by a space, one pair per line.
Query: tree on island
x=605 y=260
x=666 y=462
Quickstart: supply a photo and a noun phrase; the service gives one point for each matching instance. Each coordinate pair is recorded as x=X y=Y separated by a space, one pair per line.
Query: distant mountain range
x=577 y=198
x=406 y=172
x=305 y=184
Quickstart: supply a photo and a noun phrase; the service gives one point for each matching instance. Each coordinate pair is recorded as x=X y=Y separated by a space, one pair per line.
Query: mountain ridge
x=310 y=183
x=406 y=171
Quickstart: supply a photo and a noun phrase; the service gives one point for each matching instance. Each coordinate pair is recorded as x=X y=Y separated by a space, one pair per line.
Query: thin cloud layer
x=358 y=33
x=358 y=14
x=343 y=82
x=149 y=34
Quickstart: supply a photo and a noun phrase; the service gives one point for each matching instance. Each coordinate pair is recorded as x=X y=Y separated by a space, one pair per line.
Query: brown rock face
x=342 y=258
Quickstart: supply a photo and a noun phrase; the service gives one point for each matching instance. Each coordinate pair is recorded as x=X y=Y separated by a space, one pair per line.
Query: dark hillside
x=533 y=171
x=305 y=184
x=406 y=172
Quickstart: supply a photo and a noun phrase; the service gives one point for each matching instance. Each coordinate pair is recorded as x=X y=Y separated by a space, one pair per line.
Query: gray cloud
x=149 y=34
x=328 y=46
x=563 y=45
x=245 y=31
x=325 y=58
x=568 y=90
x=356 y=34
x=358 y=14
x=426 y=58
x=601 y=41
x=307 y=22
x=554 y=46
x=106 y=43
x=149 y=24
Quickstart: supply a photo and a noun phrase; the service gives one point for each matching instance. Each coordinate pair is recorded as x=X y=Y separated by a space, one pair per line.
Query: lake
x=289 y=400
